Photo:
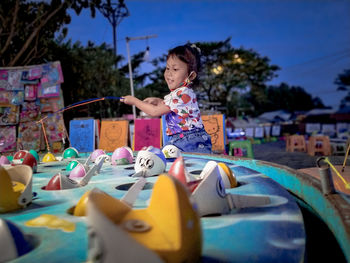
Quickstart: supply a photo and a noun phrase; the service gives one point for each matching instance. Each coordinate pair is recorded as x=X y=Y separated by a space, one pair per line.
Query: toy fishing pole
x=326 y=160
x=346 y=157
x=74 y=105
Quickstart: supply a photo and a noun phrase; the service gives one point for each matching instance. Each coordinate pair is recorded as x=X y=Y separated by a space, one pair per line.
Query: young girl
x=184 y=124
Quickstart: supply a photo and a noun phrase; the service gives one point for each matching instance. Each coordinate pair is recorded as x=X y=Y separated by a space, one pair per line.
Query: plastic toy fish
x=179 y=171
x=35 y=154
x=27 y=158
x=171 y=151
x=19 y=154
x=129 y=198
x=31 y=161
x=208 y=190
x=149 y=162
x=70 y=152
x=96 y=153
x=49 y=157
x=14 y=243
x=15 y=187
x=122 y=156
x=71 y=165
x=211 y=198
x=167 y=230
x=62 y=182
x=4 y=160
x=228 y=178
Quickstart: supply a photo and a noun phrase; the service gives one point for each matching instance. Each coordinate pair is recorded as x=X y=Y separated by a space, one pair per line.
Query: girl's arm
x=153 y=100
x=150 y=109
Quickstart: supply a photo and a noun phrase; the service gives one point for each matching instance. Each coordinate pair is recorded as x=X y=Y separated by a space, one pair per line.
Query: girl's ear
x=192 y=75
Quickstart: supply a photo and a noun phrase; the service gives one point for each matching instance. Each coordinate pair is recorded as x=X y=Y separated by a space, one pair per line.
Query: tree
x=343 y=82
x=288 y=98
x=230 y=72
x=89 y=73
x=26 y=34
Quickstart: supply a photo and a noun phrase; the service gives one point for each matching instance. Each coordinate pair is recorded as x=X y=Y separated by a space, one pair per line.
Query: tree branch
x=12 y=29
x=34 y=33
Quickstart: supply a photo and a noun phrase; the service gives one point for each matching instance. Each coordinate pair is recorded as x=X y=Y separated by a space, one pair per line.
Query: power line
x=345 y=52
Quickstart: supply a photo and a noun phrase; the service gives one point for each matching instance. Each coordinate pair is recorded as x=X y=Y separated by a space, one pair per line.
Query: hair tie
x=195 y=47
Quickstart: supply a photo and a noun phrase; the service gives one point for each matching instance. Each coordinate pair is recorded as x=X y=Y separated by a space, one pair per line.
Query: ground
x=276 y=152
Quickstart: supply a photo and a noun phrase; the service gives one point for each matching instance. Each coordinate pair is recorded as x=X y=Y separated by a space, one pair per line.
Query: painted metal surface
x=269 y=233
x=333 y=209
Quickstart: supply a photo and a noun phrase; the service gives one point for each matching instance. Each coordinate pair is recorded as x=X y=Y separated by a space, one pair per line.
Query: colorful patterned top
x=185 y=114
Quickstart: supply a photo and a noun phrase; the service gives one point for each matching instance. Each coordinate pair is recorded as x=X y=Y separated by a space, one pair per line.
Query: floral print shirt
x=185 y=114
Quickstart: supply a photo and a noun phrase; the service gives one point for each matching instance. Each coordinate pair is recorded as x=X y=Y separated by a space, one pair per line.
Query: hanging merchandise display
x=26 y=95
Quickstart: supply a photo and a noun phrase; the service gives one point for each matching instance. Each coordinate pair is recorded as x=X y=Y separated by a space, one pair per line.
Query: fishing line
x=74 y=105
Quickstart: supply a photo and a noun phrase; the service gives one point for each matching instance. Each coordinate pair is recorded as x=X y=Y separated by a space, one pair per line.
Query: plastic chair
x=319 y=145
x=241 y=145
x=295 y=143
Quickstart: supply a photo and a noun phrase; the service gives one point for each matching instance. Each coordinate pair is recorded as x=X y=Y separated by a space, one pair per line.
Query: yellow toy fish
x=168 y=230
x=15 y=187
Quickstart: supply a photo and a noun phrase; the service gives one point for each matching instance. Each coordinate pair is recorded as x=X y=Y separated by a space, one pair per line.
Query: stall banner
x=147 y=132
x=114 y=134
x=82 y=134
x=215 y=127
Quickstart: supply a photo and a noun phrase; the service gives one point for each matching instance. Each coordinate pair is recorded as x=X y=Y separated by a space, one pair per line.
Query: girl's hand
x=130 y=100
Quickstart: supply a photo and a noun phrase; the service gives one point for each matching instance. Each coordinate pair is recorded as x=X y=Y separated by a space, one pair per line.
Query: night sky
x=308 y=39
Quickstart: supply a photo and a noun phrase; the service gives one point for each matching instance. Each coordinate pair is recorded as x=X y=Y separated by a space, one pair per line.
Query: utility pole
x=128 y=39
x=115 y=12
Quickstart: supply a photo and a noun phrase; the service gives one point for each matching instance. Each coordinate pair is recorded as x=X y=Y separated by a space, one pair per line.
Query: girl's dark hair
x=188 y=54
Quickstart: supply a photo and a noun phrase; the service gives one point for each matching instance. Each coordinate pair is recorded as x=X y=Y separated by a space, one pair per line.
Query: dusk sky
x=308 y=39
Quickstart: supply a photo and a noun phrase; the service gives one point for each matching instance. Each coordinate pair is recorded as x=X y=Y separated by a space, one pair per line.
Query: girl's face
x=175 y=73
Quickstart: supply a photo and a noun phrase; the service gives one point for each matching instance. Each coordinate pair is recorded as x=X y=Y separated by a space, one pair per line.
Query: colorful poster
x=147 y=132
x=82 y=134
x=114 y=134
x=7 y=139
x=14 y=79
x=215 y=127
x=30 y=111
x=29 y=134
x=9 y=115
x=51 y=74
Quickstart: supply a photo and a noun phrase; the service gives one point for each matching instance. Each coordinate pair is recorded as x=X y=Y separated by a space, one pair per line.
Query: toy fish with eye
x=149 y=162
x=171 y=151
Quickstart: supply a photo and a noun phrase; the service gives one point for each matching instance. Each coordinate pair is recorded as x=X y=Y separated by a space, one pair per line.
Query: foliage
x=292 y=99
x=232 y=77
x=343 y=82
x=89 y=73
x=226 y=74
x=26 y=34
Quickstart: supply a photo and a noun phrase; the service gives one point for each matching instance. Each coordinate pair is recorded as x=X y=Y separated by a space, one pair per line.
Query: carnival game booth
x=184 y=207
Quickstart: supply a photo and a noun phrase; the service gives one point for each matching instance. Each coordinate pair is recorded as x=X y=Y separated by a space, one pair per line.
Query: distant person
x=184 y=124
